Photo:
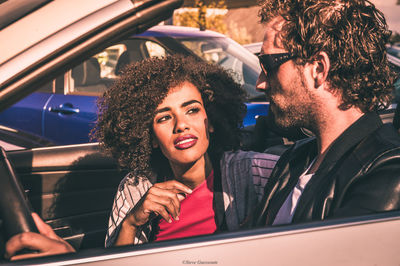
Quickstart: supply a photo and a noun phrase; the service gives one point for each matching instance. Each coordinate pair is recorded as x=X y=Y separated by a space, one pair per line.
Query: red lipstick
x=185 y=142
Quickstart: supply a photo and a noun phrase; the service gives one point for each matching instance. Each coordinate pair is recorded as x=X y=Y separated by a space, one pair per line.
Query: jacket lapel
x=284 y=178
x=339 y=159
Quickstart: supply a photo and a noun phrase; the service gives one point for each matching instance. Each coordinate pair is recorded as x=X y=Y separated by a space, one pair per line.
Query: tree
x=199 y=17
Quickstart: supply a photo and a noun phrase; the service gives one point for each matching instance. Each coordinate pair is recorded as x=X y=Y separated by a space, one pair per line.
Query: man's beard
x=299 y=112
x=288 y=117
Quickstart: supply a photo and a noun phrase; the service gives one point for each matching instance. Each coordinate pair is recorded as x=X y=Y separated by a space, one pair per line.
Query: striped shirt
x=243 y=176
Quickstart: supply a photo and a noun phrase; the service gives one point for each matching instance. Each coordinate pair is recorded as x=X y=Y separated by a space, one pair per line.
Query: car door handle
x=65 y=109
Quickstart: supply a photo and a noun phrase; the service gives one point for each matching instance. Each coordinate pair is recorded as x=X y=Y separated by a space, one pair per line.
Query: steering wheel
x=15 y=211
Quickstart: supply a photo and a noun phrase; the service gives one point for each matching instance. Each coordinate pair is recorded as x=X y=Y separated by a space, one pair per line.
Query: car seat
x=87 y=77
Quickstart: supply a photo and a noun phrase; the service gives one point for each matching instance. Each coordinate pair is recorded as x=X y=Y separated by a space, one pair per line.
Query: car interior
x=72 y=187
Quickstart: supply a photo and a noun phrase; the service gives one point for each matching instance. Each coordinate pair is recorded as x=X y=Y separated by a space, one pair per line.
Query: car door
x=68 y=118
x=70 y=114
x=26 y=115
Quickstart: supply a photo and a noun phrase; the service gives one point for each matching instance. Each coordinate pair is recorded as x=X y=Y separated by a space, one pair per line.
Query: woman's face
x=180 y=125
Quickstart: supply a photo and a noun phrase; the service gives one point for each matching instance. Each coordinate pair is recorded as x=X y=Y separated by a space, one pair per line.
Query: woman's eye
x=163 y=118
x=193 y=110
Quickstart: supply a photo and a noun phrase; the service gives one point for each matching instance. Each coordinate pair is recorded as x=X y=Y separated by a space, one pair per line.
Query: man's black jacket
x=359 y=175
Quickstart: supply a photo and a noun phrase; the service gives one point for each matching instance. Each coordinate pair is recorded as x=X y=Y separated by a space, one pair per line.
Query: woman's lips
x=185 y=142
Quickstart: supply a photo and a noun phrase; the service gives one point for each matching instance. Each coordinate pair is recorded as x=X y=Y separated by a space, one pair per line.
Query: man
x=324 y=68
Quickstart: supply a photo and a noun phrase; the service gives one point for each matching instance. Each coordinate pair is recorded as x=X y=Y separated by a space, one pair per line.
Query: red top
x=196 y=217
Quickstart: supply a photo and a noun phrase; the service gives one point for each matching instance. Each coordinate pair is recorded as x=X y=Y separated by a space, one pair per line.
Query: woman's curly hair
x=352 y=32
x=127 y=109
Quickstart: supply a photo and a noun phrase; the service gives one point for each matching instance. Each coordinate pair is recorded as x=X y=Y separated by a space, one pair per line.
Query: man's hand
x=46 y=243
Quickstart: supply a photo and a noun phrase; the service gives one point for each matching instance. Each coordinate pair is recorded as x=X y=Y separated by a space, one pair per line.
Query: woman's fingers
x=174 y=185
x=160 y=209
x=162 y=199
x=167 y=199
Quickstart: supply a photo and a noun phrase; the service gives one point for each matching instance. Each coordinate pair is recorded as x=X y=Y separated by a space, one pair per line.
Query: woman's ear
x=210 y=128
x=154 y=142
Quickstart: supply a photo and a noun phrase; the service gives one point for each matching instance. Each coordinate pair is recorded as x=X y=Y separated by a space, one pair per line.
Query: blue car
x=64 y=110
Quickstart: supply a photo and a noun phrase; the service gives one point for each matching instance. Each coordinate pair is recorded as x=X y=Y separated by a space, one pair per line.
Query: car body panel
x=254 y=110
x=25 y=114
x=320 y=243
x=75 y=114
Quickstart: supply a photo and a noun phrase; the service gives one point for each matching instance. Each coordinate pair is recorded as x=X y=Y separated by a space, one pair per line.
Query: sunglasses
x=271 y=62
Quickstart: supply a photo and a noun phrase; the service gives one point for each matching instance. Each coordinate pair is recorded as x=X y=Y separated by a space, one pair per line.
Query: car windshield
x=230 y=56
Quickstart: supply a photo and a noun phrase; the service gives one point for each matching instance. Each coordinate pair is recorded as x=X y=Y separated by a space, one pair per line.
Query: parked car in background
x=254 y=47
x=64 y=110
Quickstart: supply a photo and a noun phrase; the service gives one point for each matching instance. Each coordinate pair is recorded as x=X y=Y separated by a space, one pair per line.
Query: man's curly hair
x=352 y=32
x=127 y=109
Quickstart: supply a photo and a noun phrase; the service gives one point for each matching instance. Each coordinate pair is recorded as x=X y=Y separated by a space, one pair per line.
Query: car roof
x=178 y=32
x=13 y=10
x=53 y=36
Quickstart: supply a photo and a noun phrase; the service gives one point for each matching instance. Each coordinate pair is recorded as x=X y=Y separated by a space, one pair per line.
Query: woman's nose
x=180 y=124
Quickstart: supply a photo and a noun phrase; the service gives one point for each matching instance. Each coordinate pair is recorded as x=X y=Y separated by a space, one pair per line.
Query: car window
x=96 y=74
x=230 y=56
x=48 y=87
x=108 y=60
x=154 y=49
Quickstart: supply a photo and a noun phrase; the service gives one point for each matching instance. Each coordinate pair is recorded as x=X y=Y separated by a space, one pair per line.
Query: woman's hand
x=161 y=199
x=46 y=243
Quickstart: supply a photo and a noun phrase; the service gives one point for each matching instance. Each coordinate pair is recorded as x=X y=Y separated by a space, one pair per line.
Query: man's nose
x=262 y=84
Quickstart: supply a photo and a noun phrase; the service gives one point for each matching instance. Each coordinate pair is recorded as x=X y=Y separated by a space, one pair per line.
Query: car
x=72 y=186
x=63 y=111
x=254 y=47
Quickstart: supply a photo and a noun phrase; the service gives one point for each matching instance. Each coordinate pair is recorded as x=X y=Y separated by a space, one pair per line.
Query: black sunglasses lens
x=271 y=62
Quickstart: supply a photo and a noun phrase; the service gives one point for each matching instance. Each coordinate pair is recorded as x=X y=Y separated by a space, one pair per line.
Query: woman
x=170 y=121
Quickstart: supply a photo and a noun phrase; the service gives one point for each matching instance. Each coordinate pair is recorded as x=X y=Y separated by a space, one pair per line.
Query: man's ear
x=321 y=68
